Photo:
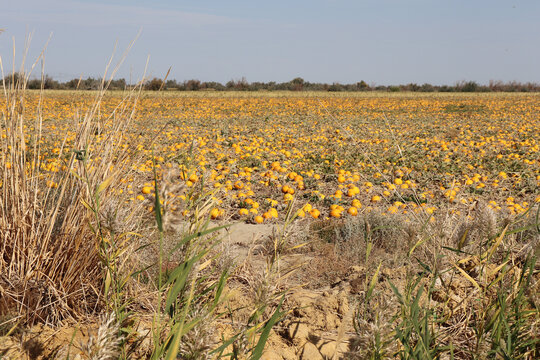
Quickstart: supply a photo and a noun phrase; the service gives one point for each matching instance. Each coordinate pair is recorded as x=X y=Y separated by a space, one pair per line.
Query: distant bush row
x=297 y=84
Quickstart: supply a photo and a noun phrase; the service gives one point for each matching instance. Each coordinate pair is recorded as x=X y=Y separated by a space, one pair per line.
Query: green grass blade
x=259 y=348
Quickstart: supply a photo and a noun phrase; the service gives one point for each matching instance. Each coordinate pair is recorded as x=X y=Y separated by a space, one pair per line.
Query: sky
x=382 y=42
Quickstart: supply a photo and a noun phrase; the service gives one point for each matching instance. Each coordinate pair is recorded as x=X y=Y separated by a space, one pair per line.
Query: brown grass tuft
x=50 y=221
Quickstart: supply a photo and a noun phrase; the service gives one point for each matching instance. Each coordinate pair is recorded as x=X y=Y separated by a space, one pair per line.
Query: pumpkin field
x=406 y=154
x=407 y=222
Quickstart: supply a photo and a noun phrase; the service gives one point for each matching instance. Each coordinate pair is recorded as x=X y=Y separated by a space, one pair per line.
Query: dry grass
x=52 y=238
x=469 y=290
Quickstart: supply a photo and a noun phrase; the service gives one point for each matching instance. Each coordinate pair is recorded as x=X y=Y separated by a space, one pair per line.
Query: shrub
x=154 y=85
x=50 y=261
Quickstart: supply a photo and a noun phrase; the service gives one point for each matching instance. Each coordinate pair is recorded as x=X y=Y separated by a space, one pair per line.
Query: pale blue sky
x=379 y=41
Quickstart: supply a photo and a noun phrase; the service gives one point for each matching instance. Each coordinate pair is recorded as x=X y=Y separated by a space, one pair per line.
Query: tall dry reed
x=52 y=240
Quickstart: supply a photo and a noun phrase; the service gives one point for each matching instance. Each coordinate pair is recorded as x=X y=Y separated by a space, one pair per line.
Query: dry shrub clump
x=468 y=290
x=57 y=214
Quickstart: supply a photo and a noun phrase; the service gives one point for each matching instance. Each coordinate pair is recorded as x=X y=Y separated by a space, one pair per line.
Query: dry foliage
x=51 y=226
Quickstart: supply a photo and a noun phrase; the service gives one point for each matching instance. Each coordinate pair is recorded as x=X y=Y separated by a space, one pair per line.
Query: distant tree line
x=296 y=84
x=47 y=82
